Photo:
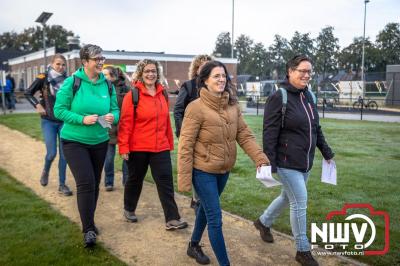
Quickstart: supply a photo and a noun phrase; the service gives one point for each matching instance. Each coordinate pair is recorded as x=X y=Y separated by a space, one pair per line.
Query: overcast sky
x=192 y=26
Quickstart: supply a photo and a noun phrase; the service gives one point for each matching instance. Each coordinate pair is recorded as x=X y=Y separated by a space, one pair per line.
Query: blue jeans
x=51 y=133
x=109 y=167
x=294 y=193
x=208 y=188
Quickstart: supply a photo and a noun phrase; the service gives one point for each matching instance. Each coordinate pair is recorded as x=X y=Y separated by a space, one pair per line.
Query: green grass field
x=368 y=163
x=33 y=233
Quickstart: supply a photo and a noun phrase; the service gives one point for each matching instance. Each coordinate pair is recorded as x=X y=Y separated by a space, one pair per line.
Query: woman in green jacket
x=87 y=104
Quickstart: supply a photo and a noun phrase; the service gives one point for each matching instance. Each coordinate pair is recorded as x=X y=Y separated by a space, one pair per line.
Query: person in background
x=12 y=90
x=48 y=85
x=86 y=110
x=145 y=138
x=289 y=141
x=188 y=93
x=212 y=126
x=119 y=80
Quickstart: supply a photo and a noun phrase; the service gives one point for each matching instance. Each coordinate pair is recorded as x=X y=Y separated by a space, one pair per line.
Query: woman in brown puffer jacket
x=207 y=152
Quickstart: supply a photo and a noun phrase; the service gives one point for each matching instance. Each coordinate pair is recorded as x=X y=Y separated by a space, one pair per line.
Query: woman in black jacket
x=291 y=133
x=48 y=84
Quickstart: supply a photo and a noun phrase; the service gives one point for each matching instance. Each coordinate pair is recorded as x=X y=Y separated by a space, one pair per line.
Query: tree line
x=31 y=39
x=254 y=58
x=269 y=63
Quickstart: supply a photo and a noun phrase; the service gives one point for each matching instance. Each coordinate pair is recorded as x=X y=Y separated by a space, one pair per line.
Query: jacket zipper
x=155 y=105
x=312 y=114
x=309 y=124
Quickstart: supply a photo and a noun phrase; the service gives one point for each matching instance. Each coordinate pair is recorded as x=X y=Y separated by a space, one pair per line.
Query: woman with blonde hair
x=145 y=139
x=48 y=84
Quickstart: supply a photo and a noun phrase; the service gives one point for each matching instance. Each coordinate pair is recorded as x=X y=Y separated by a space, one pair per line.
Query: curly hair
x=138 y=74
x=196 y=63
x=205 y=74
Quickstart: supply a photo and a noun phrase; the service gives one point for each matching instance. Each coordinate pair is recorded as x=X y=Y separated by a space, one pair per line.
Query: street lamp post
x=233 y=25
x=363 y=50
x=42 y=19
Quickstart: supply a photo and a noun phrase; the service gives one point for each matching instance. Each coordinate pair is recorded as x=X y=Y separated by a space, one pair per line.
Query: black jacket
x=187 y=93
x=293 y=146
x=47 y=100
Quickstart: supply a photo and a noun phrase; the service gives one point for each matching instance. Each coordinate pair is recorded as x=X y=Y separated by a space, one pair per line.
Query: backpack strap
x=76 y=86
x=165 y=93
x=312 y=95
x=135 y=97
x=284 y=104
x=110 y=88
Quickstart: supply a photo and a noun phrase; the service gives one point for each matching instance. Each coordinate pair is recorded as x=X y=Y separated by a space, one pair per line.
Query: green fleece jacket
x=90 y=99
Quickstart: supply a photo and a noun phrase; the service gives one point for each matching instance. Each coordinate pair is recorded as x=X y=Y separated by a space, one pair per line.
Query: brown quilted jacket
x=211 y=127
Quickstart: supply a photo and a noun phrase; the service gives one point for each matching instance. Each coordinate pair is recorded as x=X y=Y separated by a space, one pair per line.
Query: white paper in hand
x=328 y=172
x=265 y=177
x=102 y=121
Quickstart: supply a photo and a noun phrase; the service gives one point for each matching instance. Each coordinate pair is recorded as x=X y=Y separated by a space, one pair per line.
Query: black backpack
x=77 y=85
x=135 y=97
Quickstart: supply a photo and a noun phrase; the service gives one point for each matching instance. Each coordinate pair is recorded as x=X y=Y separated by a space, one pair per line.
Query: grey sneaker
x=44 y=178
x=64 y=189
x=89 y=239
x=175 y=224
x=109 y=188
x=130 y=216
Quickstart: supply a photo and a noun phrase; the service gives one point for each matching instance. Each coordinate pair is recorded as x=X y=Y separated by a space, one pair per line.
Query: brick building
x=175 y=67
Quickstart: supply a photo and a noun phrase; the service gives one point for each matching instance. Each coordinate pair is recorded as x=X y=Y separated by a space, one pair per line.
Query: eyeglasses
x=148 y=71
x=98 y=60
x=305 y=71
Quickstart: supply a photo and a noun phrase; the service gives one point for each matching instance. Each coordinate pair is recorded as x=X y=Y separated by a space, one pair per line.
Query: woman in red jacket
x=145 y=138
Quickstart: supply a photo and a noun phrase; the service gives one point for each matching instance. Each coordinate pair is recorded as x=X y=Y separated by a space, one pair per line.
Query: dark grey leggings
x=86 y=163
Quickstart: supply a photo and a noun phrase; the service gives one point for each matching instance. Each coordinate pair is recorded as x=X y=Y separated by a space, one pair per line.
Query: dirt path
x=146 y=242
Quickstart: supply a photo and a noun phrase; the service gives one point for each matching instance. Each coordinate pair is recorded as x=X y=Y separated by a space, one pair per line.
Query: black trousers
x=161 y=170
x=86 y=163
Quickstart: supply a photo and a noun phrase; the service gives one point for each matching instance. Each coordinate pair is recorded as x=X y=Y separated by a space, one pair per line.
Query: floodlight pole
x=363 y=50
x=44 y=46
x=42 y=19
x=233 y=25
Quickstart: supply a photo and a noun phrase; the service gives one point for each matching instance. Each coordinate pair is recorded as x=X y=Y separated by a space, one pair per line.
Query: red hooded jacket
x=149 y=128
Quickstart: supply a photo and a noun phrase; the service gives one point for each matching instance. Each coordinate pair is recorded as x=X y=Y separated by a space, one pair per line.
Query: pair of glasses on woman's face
x=148 y=71
x=303 y=72
x=98 y=60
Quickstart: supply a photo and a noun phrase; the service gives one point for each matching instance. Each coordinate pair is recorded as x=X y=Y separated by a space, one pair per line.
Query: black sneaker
x=89 y=239
x=130 y=216
x=195 y=252
x=306 y=259
x=109 y=188
x=265 y=232
x=44 y=178
x=64 y=189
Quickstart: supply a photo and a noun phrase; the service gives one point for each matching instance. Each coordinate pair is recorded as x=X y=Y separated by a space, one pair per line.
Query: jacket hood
x=212 y=100
x=80 y=73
